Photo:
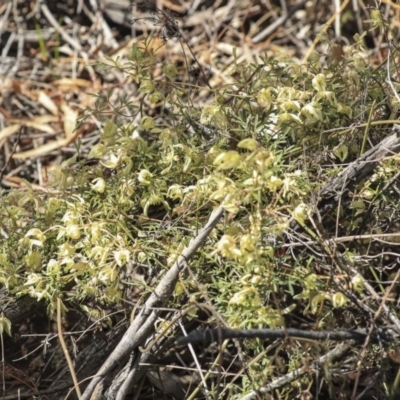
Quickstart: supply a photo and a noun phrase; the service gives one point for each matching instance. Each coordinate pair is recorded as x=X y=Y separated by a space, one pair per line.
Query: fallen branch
x=219 y=335
x=363 y=166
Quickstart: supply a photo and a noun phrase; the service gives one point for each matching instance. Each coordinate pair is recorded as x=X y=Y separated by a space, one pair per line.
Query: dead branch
x=362 y=167
x=219 y=335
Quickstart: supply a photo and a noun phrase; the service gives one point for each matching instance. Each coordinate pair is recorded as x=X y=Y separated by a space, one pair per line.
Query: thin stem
x=65 y=349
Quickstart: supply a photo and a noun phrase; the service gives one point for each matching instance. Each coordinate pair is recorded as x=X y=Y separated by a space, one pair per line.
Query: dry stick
x=75 y=45
x=65 y=349
x=363 y=166
x=344 y=239
x=218 y=335
x=216 y=363
x=203 y=378
x=276 y=24
x=143 y=325
x=337 y=352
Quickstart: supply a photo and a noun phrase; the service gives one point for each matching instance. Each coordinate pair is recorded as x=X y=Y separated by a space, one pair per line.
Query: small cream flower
x=53 y=266
x=264 y=98
x=274 y=183
x=227 y=247
x=71 y=218
x=122 y=257
x=36 y=233
x=73 y=231
x=99 y=185
x=97 y=151
x=357 y=283
x=169 y=70
x=147 y=123
x=227 y=160
x=248 y=144
x=300 y=213
x=146 y=86
x=66 y=249
x=319 y=82
x=339 y=300
x=145 y=177
x=312 y=111
x=112 y=162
